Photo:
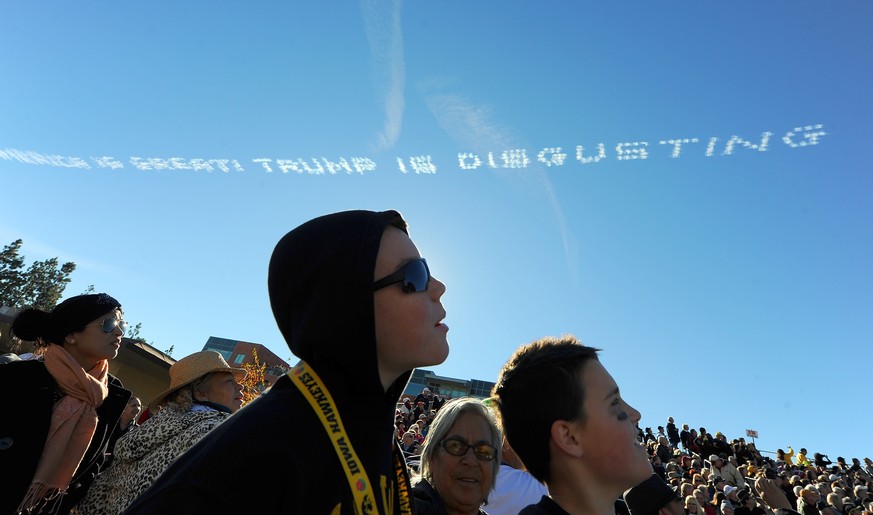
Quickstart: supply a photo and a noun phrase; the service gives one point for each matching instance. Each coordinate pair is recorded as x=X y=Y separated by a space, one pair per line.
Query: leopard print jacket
x=143 y=454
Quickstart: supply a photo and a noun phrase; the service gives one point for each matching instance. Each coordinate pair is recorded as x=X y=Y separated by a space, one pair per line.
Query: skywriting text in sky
x=514 y=158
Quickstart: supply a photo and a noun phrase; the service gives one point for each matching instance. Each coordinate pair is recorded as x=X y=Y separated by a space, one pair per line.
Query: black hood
x=321 y=292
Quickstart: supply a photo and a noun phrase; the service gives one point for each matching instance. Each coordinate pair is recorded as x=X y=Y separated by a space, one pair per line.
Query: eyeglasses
x=414 y=275
x=109 y=325
x=457 y=447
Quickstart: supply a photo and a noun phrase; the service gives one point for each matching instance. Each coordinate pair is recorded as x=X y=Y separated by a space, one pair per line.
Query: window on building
x=239 y=358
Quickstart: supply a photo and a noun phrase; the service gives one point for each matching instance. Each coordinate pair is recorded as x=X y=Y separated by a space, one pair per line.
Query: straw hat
x=193 y=367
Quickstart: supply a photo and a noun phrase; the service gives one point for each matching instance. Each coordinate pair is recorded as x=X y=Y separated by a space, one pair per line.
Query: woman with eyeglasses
x=357 y=304
x=460 y=460
x=59 y=411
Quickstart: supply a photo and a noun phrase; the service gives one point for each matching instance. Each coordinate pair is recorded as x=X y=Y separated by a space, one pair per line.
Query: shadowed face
x=92 y=344
x=134 y=406
x=221 y=388
x=609 y=432
x=464 y=481
x=409 y=328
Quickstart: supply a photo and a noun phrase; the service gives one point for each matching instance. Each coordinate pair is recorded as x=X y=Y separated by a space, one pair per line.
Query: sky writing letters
x=425 y=164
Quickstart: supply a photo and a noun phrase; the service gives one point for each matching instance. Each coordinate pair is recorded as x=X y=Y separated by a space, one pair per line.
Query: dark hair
x=650 y=496
x=70 y=316
x=540 y=384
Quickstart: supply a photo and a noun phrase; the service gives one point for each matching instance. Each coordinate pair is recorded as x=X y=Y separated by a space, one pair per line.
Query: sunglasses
x=414 y=276
x=109 y=325
x=457 y=447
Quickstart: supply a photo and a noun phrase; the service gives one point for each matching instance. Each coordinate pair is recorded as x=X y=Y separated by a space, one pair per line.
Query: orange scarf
x=74 y=420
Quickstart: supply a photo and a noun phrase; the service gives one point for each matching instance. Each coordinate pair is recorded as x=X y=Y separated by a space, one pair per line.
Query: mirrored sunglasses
x=414 y=277
x=458 y=447
x=109 y=324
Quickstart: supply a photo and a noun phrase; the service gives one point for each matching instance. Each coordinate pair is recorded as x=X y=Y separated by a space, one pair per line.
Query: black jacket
x=273 y=456
x=546 y=506
x=428 y=501
x=29 y=394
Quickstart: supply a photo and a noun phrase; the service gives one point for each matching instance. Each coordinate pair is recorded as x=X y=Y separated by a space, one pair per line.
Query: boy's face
x=609 y=432
x=409 y=328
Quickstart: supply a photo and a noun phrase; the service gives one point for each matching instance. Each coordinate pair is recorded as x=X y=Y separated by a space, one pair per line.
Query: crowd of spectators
x=693 y=470
x=712 y=475
x=413 y=419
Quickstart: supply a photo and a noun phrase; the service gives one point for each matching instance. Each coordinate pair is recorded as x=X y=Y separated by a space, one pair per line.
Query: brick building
x=237 y=353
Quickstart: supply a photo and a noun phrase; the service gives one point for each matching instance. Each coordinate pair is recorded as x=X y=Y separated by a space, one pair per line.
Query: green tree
x=46 y=282
x=133 y=332
x=40 y=286
x=11 y=274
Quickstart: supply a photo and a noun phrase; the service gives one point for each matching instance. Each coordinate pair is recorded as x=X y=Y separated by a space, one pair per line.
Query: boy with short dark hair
x=564 y=416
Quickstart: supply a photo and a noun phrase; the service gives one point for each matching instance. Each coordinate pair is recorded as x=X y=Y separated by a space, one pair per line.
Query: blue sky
x=729 y=286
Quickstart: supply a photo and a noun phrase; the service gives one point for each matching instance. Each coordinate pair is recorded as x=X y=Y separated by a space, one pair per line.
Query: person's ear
x=567 y=438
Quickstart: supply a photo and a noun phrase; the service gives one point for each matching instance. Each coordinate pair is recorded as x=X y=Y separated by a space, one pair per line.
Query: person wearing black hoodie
x=356 y=303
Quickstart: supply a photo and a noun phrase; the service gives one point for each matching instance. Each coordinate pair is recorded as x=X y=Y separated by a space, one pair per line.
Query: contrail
x=472 y=126
x=382 y=23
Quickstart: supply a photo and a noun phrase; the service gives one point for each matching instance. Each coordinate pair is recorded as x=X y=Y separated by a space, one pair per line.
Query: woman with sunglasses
x=356 y=303
x=460 y=460
x=60 y=410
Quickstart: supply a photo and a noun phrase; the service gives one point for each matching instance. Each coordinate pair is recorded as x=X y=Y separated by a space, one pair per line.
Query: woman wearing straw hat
x=59 y=410
x=204 y=391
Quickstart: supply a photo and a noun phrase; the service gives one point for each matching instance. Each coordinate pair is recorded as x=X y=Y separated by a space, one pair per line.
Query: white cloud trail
x=473 y=127
x=382 y=24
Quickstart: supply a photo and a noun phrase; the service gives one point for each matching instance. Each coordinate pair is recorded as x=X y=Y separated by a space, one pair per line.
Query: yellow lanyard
x=310 y=385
